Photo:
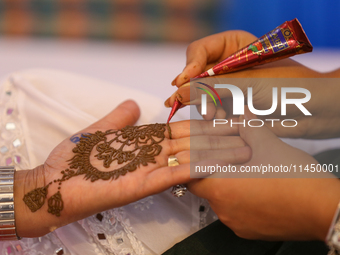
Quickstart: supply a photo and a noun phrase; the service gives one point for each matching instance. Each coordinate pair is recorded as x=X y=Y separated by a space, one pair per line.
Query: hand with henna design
x=111 y=164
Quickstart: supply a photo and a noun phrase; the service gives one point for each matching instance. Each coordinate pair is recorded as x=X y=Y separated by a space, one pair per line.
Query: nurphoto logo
x=239 y=101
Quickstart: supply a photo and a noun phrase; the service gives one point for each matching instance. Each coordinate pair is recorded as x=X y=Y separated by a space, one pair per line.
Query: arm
x=112 y=165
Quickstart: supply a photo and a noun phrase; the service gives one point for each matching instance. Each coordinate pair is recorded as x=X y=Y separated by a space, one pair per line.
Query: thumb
x=127 y=113
x=254 y=132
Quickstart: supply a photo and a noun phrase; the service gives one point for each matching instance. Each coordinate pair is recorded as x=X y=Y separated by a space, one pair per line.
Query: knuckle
x=192 y=45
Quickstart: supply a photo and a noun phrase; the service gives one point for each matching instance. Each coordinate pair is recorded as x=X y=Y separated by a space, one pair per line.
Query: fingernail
x=182 y=78
x=185 y=94
x=167 y=103
x=173 y=83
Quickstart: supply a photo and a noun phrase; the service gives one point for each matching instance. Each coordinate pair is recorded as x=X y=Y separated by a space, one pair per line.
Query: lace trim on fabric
x=207 y=215
x=48 y=244
x=112 y=233
x=204 y=210
x=13 y=149
x=143 y=204
x=13 y=152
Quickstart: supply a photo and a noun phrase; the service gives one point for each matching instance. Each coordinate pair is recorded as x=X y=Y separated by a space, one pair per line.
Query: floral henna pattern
x=131 y=146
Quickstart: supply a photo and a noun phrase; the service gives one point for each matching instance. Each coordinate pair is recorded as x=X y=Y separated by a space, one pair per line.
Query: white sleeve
x=49 y=106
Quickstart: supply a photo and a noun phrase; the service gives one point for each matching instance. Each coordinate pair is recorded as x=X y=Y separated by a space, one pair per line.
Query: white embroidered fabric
x=40 y=108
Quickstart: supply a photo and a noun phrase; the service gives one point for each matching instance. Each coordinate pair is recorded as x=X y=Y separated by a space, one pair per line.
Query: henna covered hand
x=111 y=164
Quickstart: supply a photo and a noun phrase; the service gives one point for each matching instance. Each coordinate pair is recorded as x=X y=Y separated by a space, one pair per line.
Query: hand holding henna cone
x=282 y=42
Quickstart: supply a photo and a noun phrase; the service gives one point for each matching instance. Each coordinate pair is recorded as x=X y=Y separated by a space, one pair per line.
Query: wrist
x=28 y=223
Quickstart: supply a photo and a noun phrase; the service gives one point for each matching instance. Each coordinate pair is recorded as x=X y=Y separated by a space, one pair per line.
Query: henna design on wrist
x=35 y=199
x=133 y=145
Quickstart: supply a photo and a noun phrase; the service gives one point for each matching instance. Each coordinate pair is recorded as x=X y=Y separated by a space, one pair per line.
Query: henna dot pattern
x=129 y=148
